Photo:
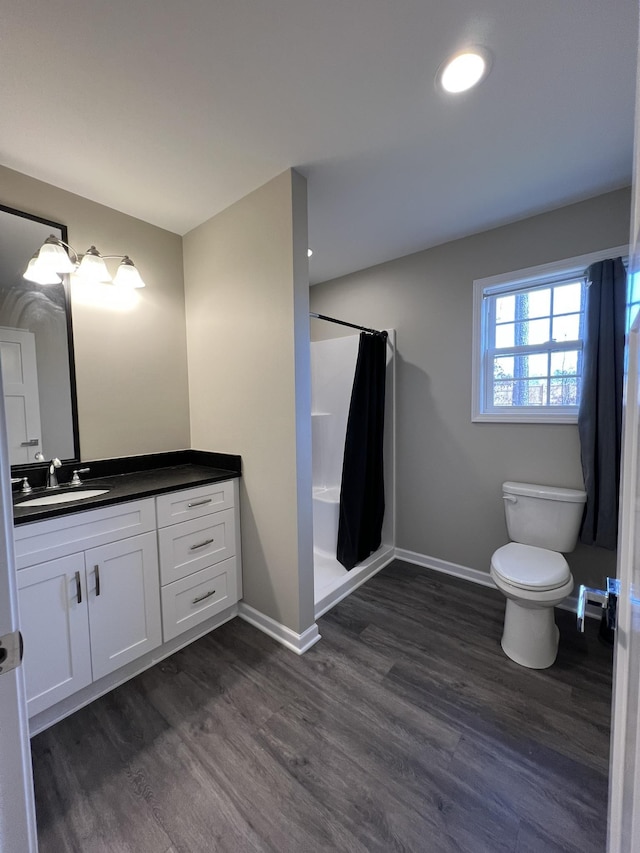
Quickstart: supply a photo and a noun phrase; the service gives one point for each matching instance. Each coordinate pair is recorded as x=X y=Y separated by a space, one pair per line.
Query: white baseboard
x=444 y=566
x=482 y=578
x=298 y=643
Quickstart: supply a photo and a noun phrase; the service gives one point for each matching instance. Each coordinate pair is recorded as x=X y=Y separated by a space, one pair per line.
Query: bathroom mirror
x=36 y=347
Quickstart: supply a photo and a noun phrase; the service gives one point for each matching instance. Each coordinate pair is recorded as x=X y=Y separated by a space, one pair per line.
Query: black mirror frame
x=17 y=470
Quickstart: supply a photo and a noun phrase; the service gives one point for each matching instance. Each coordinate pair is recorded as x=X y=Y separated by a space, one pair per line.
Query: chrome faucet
x=52 y=477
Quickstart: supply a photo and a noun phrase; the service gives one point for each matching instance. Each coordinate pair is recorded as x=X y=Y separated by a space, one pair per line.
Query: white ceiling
x=171 y=111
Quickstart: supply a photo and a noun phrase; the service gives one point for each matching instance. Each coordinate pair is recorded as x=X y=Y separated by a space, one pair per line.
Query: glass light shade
x=53 y=257
x=464 y=71
x=127 y=275
x=92 y=267
x=38 y=274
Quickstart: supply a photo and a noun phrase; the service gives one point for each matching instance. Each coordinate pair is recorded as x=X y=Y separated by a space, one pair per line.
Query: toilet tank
x=544 y=516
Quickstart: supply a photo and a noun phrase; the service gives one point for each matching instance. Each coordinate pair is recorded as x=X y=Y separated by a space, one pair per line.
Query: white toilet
x=532 y=573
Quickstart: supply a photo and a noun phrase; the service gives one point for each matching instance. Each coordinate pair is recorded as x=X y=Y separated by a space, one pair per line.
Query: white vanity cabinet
x=89 y=610
x=199 y=549
x=105 y=593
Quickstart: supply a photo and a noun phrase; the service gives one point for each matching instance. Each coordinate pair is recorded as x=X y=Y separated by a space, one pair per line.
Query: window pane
x=634 y=288
x=537 y=365
x=564 y=362
x=520 y=392
x=564 y=391
x=502 y=367
x=505 y=335
x=533 y=332
x=567 y=298
x=566 y=328
x=503 y=392
x=539 y=303
x=505 y=308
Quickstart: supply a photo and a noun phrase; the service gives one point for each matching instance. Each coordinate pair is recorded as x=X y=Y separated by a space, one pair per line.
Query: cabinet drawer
x=68 y=534
x=191 y=600
x=194 y=503
x=193 y=545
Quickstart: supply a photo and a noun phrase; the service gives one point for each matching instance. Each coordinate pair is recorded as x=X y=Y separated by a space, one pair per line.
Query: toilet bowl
x=533 y=580
x=531 y=572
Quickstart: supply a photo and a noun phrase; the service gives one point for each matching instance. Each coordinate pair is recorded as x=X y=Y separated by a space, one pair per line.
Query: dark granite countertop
x=129 y=485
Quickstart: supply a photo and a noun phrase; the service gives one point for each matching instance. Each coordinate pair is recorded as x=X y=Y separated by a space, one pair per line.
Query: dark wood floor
x=405 y=728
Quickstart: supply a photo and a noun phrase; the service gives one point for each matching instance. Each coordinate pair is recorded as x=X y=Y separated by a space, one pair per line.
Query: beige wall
x=449 y=470
x=131 y=364
x=246 y=282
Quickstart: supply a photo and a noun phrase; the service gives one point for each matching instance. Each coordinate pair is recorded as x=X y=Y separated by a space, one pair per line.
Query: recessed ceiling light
x=464 y=70
x=309 y=252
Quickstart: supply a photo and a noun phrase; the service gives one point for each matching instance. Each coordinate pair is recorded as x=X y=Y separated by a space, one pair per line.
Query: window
x=528 y=335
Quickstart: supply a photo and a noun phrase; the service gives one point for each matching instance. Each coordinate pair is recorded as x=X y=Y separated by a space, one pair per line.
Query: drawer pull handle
x=78 y=588
x=97 y=571
x=201 y=544
x=202 y=597
x=199 y=503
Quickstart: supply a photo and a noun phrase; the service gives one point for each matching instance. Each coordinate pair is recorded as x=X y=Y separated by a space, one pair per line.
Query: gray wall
x=247 y=300
x=450 y=470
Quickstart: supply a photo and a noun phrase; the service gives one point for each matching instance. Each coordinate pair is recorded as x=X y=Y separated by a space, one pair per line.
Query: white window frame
x=531 y=277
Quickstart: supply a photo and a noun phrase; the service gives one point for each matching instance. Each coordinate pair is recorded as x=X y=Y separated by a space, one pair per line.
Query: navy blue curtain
x=600 y=416
x=362 y=490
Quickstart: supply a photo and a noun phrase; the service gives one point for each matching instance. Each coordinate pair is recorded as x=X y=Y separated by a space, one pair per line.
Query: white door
x=124 y=602
x=17 y=813
x=624 y=777
x=22 y=402
x=54 y=620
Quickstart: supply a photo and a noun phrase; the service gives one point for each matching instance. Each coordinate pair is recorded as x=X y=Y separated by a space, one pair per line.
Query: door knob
x=607 y=598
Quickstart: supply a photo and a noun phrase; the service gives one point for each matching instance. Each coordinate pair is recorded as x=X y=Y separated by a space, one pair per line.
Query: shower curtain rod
x=344 y=323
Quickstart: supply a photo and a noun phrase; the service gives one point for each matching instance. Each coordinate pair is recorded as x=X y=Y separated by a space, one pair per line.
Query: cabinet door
x=124 y=602
x=54 y=621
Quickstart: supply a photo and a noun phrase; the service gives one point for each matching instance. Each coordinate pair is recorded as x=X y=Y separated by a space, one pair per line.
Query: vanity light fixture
x=309 y=252
x=35 y=273
x=464 y=70
x=56 y=257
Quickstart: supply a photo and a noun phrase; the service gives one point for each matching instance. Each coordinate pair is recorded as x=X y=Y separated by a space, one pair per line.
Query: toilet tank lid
x=553 y=493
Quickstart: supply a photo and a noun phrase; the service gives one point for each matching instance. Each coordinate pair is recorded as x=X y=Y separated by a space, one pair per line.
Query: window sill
x=524 y=418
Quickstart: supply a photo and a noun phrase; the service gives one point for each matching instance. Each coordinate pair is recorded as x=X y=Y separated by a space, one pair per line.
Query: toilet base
x=530 y=635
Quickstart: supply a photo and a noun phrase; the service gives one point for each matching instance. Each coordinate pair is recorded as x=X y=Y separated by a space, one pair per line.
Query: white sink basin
x=64 y=497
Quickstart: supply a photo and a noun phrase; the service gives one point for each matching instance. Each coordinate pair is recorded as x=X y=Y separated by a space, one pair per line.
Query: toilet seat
x=530 y=568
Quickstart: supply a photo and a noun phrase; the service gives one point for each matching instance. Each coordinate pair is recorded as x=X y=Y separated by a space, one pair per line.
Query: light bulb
x=463 y=71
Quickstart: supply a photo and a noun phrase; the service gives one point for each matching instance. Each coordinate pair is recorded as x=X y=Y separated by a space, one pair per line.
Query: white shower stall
x=333 y=364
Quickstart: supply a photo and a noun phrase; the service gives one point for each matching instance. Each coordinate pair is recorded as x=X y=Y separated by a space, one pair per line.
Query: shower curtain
x=362 y=490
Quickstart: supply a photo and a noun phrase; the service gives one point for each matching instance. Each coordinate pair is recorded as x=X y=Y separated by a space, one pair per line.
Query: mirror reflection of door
x=20 y=378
